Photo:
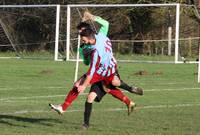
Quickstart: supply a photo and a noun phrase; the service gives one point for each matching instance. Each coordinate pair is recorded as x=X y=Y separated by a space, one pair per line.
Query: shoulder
x=101 y=34
x=101 y=37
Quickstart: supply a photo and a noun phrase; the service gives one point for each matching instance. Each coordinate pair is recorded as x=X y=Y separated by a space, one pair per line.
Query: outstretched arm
x=104 y=24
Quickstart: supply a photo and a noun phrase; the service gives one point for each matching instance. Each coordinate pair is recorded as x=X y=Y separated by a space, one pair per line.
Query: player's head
x=82 y=26
x=88 y=36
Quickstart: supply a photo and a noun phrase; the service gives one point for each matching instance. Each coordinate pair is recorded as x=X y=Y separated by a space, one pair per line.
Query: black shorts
x=98 y=89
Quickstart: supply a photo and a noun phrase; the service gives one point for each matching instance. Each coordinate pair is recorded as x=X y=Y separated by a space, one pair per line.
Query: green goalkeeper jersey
x=103 y=29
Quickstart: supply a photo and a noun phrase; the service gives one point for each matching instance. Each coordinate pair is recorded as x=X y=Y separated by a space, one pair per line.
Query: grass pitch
x=170 y=105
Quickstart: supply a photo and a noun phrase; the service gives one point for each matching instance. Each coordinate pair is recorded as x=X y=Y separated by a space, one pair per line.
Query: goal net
x=159 y=33
x=189 y=30
x=30 y=31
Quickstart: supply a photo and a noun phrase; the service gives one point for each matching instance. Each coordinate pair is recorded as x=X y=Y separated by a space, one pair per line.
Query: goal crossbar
x=26 y=6
x=91 y=5
x=122 y=5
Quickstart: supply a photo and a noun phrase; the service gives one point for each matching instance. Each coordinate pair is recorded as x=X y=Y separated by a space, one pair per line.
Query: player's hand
x=88 y=16
x=81 y=88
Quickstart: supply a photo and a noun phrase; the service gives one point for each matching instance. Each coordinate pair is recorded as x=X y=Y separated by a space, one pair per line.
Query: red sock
x=119 y=95
x=72 y=95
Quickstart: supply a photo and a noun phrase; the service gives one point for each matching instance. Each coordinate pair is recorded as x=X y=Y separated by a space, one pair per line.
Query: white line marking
x=58 y=87
x=179 y=89
x=35 y=97
x=25 y=88
x=104 y=110
x=31 y=97
x=53 y=96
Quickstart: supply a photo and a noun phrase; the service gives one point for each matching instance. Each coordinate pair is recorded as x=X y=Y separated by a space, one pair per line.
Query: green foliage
x=28 y=25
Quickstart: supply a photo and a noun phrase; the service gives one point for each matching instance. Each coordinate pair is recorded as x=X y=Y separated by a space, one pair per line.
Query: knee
x=91 y=96
x=116 y=82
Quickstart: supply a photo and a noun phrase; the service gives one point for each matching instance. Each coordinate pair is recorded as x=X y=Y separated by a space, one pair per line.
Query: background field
x=170 y=105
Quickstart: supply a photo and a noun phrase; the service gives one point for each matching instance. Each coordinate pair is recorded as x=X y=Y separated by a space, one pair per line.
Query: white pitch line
x=23 y=98
x=179 y=89
x=25 y=88
x=58 y=87
x=53 y=96
x=35 y=97
x=105 y=110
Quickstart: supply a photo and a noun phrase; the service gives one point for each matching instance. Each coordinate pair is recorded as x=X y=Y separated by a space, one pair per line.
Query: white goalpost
x=77 y=60
x=57 y=32
x=199 y=67
x=177 y=32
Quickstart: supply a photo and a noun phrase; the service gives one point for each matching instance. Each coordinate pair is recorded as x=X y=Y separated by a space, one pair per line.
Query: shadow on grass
x=11 y=121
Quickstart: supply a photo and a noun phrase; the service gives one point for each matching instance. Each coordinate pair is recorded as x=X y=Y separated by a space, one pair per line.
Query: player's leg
x=121 y=84
x=71 y=96
x=96 y=94
x=110 y=89
x=88 y=109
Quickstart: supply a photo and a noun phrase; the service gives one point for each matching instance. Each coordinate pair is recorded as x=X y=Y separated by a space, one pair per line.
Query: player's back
x=104 y=48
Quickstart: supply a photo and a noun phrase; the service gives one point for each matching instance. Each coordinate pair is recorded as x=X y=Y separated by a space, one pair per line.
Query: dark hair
x=83 y=25
x=87 y=33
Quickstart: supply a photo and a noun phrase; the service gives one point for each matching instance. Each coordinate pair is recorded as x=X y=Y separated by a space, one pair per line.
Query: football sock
x=72 y=95
x=88 y=109
x=125 y=86
x=119 y=95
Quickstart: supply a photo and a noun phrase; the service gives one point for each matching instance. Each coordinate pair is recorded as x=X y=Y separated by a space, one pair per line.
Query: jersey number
x=108 y=46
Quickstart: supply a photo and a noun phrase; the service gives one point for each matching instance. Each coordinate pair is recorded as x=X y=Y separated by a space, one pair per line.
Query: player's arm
x=90 y=72
x=103 y=29
x=104 y=24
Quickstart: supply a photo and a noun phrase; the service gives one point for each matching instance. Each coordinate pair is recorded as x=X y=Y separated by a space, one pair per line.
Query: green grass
x=45 y=55
x=50 y=56
x=144 y=57
x=170 y=105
